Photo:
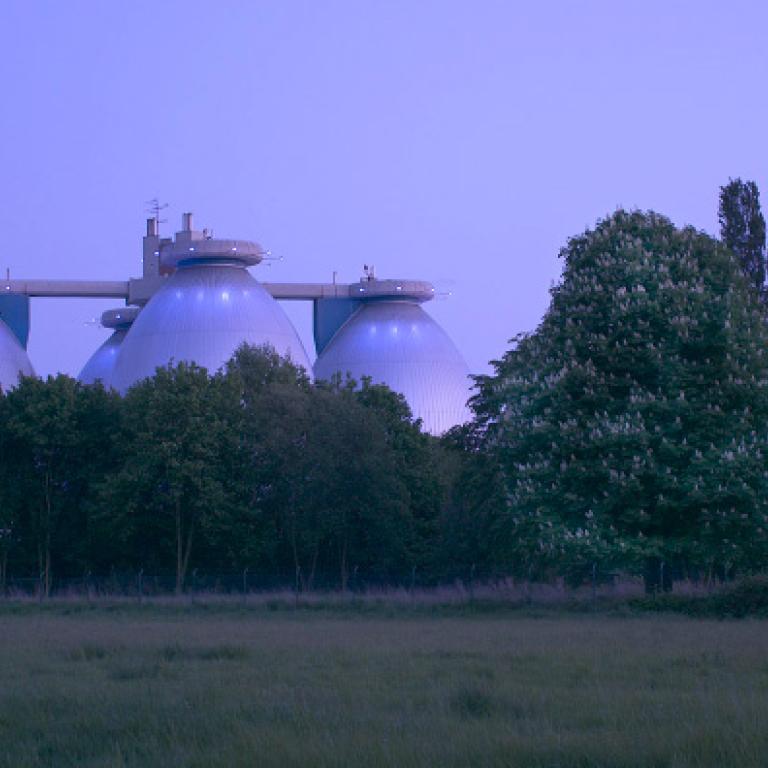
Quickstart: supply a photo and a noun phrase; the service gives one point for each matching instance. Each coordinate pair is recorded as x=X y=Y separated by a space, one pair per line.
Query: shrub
x=743 y=598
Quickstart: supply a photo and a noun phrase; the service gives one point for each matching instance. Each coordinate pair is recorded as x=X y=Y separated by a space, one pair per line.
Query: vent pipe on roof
x=186 y=222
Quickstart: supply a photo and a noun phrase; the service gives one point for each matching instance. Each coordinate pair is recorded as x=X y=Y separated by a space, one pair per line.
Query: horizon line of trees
x=254 y=466
x=628 y=431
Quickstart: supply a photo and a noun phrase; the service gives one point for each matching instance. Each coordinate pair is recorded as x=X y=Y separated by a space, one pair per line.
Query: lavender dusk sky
x=457 y=141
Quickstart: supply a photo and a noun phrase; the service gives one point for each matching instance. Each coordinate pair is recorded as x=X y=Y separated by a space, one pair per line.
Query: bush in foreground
x=747 y=597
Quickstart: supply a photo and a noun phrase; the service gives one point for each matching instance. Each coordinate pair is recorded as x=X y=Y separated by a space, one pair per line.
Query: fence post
x=472 y=584
x=594 y=584
x=245 y=585
x=297 y=585
x=40 y=586
x=661 y=578
x=141 y=585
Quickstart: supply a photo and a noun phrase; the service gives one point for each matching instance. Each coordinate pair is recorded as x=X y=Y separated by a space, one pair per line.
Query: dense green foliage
x=251 y=468
x=631 y=429
x=628 y=433
x=56 y=443
x=742 y=228
x=744 y=598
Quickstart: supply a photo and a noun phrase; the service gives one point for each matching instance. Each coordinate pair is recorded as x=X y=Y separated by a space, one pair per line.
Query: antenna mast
x=155 y=207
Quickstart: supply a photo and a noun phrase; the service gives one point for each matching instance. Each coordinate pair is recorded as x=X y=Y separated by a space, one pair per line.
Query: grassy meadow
x=122 y=685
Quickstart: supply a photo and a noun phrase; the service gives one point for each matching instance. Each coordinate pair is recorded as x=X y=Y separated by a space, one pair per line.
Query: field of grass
x=231 y=686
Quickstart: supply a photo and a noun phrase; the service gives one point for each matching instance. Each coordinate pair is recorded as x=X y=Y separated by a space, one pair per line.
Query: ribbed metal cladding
x=398 y=344
x=101 y=364
x=13 y=359
x=202 y=314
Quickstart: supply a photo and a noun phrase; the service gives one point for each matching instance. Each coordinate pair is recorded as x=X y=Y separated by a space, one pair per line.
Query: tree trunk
x=313 y=569
x=40 y=566
x=343 y=565
x=187 y=553
x=294 y=546
x=179 y=547
x=657 y=576
x=47 y=552
x=183 y=549
x=48 y=566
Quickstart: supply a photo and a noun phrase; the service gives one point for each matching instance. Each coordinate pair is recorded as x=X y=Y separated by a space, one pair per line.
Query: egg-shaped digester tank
x=13 y=359
x=204 y=311
x=395 y=342
x=101 y=364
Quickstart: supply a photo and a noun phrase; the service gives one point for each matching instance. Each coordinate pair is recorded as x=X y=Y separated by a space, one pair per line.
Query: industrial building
x=197 y=301
x=13 y=355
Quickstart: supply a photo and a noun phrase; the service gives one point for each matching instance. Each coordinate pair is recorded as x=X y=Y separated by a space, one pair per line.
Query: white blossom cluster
x=634 y=421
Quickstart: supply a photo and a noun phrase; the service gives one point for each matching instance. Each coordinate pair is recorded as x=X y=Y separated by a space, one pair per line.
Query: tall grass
x=239 y=686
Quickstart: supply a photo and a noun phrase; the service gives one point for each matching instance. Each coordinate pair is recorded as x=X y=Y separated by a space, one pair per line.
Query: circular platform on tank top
x=119 y=318
x=245 y=252
x=410 y=290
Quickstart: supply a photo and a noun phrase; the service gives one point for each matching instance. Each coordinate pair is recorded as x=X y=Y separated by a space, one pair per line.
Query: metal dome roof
x=101 y=364
x=13 y=359
x=398 y=344
x=202 y=314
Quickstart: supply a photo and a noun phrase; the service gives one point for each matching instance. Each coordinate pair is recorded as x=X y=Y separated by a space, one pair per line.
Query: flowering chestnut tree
x=632 y=426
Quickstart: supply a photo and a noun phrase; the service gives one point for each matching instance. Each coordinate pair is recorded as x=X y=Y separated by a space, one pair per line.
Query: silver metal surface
x=98 y=289
x=122 y=317
x=13 y=359
x=189 y=244
x=416 y=290
x=140 y=290
x=201 y=314
x=101 y=364
x=398 y=344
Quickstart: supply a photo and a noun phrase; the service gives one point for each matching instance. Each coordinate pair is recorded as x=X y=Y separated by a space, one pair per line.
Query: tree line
x=628 y=432
x=253 y=467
